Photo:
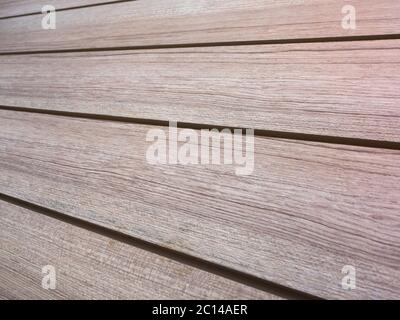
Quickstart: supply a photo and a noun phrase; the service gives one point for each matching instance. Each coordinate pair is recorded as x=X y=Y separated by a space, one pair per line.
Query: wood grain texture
x=10 y=8
x=154 y=22
x=92 y=266
x=307 y=210
x=348 y=89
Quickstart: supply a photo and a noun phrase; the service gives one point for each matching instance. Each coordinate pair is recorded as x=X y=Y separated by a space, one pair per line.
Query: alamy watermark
x=192 y=147
x=349 y=18
x=349 y=279
x=49 y=280
x=49 y=19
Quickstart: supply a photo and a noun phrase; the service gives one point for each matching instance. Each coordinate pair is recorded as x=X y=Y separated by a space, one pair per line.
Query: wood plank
x=9 y=8
x=92 y=266
x=343 y=89
x=169 y=22
x=307 y=210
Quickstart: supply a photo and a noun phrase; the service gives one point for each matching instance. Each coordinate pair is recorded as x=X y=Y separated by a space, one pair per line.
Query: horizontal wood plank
x=307 y=210
x=9 y=8
x=89 y=265
x=338 y=89
x=170 y=22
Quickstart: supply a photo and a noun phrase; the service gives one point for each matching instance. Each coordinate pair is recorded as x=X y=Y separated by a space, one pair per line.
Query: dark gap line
x=65 y=9
x=358 y=142
x=210 y=267
x=216 y=44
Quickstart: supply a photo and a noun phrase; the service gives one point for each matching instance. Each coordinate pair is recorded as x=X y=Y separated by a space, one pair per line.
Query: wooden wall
x=76 y=191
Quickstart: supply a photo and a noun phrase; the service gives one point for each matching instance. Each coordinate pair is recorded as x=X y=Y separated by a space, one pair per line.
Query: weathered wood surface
x=92 y=266
x=155 y=22
x=9 y=8
x=306 y=211
x=335 y=89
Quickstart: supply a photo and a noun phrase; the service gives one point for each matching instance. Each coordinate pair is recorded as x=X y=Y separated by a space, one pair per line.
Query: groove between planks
x=308 y=209
x=345 y=90
x=93 y=266
x=169 y=22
